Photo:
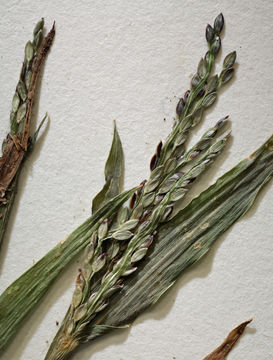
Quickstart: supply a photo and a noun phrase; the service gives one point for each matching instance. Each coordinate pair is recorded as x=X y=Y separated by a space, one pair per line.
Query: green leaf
x=113 y=173
x=18 y=300
x=34 y=138
x=187 y=238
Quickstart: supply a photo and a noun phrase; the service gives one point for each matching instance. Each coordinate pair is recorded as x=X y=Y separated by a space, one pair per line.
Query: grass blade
x=113 y=173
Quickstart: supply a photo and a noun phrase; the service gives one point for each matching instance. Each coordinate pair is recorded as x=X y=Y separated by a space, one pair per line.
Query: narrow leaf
x=35 y=136
x=112 y=172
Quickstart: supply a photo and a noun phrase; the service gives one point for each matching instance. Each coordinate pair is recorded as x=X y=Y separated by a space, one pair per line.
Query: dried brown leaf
x=222 y=351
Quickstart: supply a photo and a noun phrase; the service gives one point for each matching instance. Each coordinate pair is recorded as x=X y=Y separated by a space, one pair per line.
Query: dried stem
x=17 y=143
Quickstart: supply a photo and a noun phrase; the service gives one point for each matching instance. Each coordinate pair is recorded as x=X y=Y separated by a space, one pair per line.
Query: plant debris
x=222 y=351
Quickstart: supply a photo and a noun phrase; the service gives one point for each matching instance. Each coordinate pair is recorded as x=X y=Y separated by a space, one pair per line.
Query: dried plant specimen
x=19 y=142
x=150 y=210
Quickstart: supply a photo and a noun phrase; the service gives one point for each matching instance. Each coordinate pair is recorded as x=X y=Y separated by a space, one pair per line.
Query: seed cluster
x=116 y=247
x=19 y=101
x=202 y=95
x=121 y=242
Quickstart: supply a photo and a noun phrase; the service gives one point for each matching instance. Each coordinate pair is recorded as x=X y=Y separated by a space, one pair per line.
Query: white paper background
x=128 y=60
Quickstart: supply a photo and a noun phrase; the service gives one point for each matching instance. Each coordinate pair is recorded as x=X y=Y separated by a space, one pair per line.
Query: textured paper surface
x=129 y=61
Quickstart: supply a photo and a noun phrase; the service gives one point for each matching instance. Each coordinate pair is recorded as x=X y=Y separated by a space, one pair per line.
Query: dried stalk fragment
x=18 y=141
x=222 y=351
